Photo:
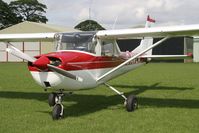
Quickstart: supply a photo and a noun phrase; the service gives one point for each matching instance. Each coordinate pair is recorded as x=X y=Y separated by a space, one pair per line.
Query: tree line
x=21 y=10
x=32 y=10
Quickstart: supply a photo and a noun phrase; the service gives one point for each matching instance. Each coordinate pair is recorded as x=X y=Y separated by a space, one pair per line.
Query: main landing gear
x=55 y=101
x=130 y=102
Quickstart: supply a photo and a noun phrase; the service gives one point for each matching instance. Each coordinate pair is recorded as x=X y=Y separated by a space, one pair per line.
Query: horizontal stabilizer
x=165 y=57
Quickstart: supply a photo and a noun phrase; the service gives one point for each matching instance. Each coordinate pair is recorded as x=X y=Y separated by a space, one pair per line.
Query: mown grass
x=168 y=102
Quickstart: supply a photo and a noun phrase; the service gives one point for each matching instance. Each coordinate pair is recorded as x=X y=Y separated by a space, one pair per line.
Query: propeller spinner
x=41 y=63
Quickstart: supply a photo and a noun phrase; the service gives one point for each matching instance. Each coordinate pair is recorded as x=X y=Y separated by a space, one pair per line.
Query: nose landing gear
x=55 y=100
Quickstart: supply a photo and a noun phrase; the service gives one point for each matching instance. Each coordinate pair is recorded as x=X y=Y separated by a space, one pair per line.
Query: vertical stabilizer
x=146 y=41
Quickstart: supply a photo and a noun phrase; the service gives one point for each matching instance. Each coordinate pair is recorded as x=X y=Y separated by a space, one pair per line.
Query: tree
x=89 y=25
x=7 y=17
x=29 y=10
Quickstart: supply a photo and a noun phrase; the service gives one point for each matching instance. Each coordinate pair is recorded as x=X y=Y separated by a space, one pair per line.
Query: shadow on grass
x=24 y=95
x=84 y=104
x=141 y=89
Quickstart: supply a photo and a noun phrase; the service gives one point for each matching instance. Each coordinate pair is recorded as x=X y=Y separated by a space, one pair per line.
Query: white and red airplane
x=84 y=60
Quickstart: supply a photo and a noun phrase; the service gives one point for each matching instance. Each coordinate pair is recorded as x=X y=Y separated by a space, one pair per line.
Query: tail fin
x=146 y=41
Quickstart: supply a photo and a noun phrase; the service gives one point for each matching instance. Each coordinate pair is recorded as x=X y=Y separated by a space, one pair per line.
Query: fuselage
x=86 y=65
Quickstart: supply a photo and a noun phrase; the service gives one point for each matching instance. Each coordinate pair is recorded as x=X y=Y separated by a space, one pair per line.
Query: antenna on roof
x=89 y=12
x=113 y=27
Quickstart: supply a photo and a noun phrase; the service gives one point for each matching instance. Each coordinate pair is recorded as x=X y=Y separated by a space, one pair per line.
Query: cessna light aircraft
x=84 y=60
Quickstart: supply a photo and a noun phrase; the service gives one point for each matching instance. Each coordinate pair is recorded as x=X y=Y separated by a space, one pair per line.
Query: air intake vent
x=47 y=84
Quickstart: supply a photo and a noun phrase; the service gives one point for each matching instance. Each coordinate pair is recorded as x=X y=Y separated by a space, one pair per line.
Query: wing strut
x=132 y=58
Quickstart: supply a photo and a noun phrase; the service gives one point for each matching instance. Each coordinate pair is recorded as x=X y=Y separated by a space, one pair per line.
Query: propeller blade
x=16 y=52
x=64 y=73
x=40 y=63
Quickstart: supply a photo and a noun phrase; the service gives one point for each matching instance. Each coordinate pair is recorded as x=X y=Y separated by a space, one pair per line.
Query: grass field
x=168 y=103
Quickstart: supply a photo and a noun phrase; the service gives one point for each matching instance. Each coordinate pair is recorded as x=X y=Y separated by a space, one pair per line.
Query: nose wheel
x=55 y=100
x=58 y=112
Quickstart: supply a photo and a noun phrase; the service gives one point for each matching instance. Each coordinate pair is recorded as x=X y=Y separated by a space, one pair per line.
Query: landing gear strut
x=55 y=100
x=130 y=102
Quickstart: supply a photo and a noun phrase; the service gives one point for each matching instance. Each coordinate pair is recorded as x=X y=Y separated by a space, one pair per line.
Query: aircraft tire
x=57 y=112
x=51 y=99
x=131 y=103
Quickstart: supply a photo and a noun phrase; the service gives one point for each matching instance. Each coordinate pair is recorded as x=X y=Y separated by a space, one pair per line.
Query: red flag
x=150 y=19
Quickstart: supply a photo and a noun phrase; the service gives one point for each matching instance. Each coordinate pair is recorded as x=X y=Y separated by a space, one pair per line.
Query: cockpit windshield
x=82 y=41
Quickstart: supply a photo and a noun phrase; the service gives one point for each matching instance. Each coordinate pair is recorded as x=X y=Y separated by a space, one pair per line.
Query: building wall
x=47 y=47
x=196 y=50
x=30 y=48
x=173 y=46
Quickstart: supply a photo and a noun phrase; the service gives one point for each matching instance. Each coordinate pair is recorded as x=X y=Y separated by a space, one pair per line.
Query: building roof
x=33 y=27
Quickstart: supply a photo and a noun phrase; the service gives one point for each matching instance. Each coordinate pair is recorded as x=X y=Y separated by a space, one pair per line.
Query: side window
x=107 y=48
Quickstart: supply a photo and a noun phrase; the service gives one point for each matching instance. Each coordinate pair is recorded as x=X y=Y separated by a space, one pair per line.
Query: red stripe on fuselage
x=80 y=61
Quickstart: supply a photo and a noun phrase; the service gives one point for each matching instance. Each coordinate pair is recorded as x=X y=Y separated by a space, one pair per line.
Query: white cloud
x=83 y=14
x=140 y=12
x=155 y=3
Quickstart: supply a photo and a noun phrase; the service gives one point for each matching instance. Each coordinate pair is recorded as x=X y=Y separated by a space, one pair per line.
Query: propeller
x=42 y=63
x=16 y=52
x=63 y=72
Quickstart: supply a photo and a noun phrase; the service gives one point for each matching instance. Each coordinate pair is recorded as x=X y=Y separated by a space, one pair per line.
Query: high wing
x=31 y=37
x=155 y=32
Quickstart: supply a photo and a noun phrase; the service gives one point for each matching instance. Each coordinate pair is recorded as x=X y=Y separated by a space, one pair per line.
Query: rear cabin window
x=107 y=48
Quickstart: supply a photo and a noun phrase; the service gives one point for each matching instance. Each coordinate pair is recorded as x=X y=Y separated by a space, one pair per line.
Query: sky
x=124 y=13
